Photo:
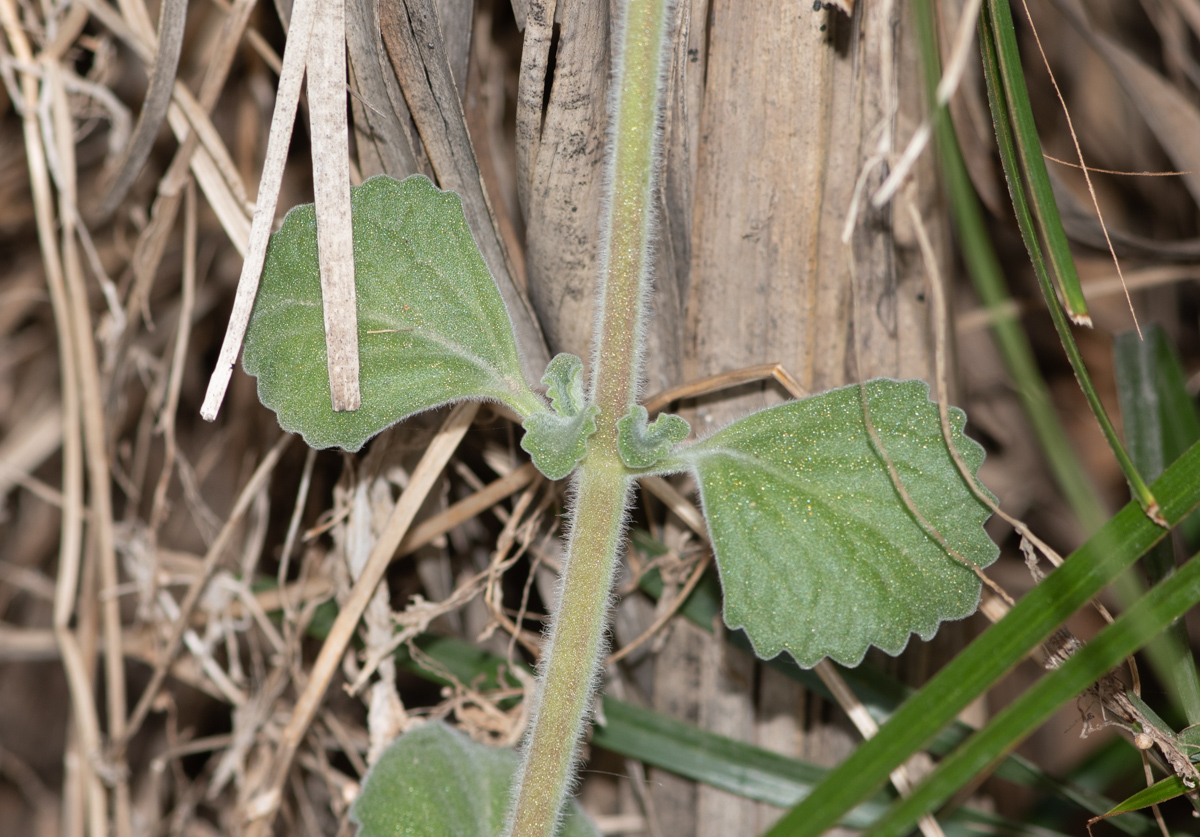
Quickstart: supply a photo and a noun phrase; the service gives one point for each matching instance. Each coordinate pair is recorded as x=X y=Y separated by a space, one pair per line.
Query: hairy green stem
x=639 y=53
x=572 y=654
x=573 y=650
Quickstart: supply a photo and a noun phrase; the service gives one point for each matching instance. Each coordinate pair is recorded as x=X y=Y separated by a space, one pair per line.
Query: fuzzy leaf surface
x=435 y=781
x=642 y=444
x=818 y=554
x=564 y=384
x=556 y=441
x=432 y=328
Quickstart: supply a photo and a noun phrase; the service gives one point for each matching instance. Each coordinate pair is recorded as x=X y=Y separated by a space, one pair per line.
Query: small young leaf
x=642 y=444
x=434 y=781
x=818 y=553
x=557 y=441
x=564 y=384
x=432 y=327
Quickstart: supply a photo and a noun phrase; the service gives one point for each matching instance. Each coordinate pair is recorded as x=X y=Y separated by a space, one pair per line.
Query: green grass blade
x=1154 y=406
x=746 y=770
x=1180 y=419
x=1131 y=631
x=1029 y=149
x=984 y=269
x=649 y=736
x=881 y=695
x=443 y=660
x=661 y=741
x=715 y=760
x=1161 y=791
x=1090 y=568
x=1016 y=136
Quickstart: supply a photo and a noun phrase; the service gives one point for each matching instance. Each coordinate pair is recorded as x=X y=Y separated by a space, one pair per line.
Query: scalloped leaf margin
x=642 y=444
x=818 y=554
x=556 y=441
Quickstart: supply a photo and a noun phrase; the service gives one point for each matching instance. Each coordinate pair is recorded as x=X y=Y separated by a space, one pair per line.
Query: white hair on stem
x=649 y=206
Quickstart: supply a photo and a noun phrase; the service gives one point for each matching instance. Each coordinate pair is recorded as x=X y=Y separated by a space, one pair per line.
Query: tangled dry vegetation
x=165 y=582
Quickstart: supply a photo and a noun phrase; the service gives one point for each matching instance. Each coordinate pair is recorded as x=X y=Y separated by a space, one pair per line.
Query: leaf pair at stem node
x=557 y=441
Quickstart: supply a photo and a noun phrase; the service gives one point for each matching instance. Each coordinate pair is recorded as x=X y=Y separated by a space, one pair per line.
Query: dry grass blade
x=214 y=170
x=295 y=57
x=151 y=244
x=81 y=409
x=477 y=503
x=676 y=502
x=384 y=146
x=95 y=438
x=331 y=188
x=726 y=380
x=79 y=681
x=947 y=85
x=867 y=727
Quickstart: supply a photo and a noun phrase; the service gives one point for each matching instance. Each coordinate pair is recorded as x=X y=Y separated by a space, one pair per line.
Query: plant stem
x=639 y=52
x=573 y=651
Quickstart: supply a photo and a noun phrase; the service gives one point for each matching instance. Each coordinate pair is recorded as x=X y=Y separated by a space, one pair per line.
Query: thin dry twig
x=941 y=318
x=295 y=56
x=725 y=380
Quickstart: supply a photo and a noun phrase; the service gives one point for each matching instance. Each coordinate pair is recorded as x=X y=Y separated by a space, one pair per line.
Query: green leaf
x=557 y=441
x=642 y=444
x=432 y=327
x=1189 y=739
x=435 y=781
x=818 y=553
